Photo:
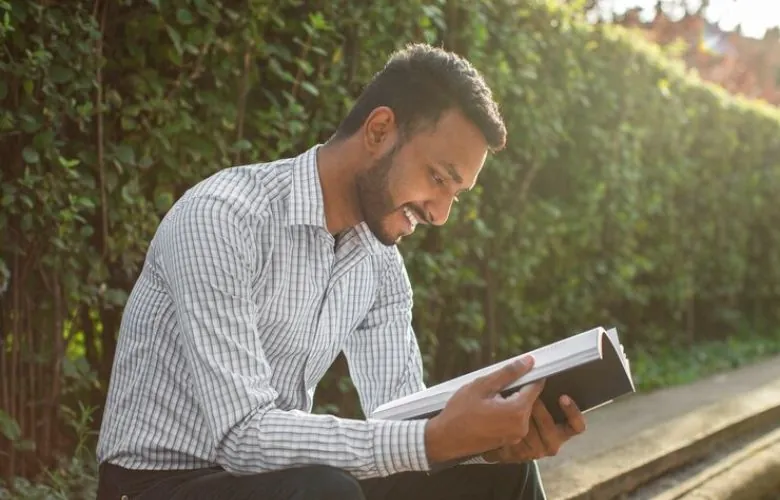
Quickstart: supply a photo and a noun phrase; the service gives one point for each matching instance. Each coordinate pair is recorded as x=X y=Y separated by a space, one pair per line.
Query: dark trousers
x=498 y=482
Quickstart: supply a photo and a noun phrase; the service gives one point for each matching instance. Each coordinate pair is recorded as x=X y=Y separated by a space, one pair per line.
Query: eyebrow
x=453 y=172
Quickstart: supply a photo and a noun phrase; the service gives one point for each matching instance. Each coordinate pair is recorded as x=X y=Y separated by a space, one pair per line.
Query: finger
x=523 y=399
x=506 y=455
x=574 y=417
x=494 y=455
x=550 y=433
x=530 y=392
x=518 y=408
x=494 y=382
x=515 y=453
x=534 y=441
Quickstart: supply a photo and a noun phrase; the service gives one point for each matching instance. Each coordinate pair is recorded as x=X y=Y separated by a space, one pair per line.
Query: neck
x=338 y=164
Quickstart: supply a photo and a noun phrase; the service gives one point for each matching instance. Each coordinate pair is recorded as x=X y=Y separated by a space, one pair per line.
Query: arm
x=383 y=354
x=385 y=363
x=208 y=252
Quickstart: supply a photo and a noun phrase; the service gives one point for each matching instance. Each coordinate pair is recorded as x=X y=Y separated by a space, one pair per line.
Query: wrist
x=437 y=447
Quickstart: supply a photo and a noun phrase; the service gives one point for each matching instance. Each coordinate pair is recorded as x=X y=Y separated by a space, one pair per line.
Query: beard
x=373 y=193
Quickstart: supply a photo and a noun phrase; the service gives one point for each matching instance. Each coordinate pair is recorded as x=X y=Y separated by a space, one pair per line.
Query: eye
x=436 y=177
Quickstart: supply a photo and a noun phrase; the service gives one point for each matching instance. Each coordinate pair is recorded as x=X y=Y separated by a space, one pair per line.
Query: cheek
x=407 y=186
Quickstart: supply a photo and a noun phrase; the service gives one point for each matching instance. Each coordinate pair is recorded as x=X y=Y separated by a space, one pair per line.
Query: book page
x=549 y=359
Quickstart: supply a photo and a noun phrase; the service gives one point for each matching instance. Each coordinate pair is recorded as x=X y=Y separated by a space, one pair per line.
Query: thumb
x=495 y=381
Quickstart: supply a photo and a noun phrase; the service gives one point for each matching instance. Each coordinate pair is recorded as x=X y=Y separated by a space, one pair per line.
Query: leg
x=305 y=483
x=466 y=482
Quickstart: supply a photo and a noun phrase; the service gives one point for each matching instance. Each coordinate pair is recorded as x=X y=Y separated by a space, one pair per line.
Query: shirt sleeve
x=211 y=264
x=383 y=353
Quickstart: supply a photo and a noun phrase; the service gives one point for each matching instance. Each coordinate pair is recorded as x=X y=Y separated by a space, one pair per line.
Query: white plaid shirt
x=243 y=303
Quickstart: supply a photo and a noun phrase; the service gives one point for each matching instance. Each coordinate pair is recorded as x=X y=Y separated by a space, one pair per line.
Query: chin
x=384 y=234
x=388 y=239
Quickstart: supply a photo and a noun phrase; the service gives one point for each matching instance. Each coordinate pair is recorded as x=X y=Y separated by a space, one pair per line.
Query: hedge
x=630 y=192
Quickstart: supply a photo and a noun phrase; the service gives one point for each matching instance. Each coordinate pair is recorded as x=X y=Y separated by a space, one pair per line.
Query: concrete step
x=750 y=472
x=629 y=452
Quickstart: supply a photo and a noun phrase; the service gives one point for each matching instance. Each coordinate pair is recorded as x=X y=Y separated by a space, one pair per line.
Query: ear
x=380 y=131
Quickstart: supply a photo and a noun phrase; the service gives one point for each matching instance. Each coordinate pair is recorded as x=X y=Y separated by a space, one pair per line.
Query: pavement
x=749 y=473
x=623 y=421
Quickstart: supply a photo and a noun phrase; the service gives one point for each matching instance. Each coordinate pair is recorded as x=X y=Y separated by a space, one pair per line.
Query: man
x=260 y=275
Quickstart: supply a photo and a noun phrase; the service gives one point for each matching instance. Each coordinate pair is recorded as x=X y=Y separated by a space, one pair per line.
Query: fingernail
x=565 y=400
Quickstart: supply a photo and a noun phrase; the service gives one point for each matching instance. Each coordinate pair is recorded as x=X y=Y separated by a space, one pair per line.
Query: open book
x=590 y=367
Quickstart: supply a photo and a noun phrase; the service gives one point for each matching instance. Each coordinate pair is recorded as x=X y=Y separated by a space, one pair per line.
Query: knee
x=522 y=480
x=321 y=483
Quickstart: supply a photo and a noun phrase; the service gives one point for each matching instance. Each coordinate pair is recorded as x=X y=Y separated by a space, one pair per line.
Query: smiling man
x=260 y=275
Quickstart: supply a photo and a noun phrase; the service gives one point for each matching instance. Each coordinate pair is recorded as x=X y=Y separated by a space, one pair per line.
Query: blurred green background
x=630 y=194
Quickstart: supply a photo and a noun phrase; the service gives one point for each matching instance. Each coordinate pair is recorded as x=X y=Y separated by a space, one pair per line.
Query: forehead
x=454 y=141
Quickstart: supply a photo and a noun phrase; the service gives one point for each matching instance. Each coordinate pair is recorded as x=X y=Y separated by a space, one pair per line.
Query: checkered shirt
x=243 y=302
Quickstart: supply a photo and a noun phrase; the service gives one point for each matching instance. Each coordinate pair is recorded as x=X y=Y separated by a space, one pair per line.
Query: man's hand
x=477 y=418
x=544 y=437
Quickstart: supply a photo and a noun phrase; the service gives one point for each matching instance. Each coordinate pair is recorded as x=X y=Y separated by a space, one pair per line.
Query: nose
x=439 y=211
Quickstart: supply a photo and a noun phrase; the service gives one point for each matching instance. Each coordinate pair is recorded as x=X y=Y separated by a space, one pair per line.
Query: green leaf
x=184 y=16
x=145 y=162
x=125 y=154
x=128 y=123
x=175 y=38
x=128 y=193
x=43 y=140
x=25 y=445
x=30 y=155
x=163 y=201
x=85 y=202
x=9 y=427
x=68 y=163
x=116 y=296
x=29 y=123
x=60 y=74
x=69 y=369
x=27 y=222
x=310 y=88
x=242 y=145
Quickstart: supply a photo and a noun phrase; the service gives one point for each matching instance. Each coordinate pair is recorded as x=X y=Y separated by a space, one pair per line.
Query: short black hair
x=419 y=83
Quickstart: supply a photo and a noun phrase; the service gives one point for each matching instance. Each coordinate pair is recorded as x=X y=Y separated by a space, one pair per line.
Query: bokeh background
x=638 y=189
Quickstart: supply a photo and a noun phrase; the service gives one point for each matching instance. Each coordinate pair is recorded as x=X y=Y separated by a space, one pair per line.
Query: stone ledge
x=751 y=473
x=659 y=449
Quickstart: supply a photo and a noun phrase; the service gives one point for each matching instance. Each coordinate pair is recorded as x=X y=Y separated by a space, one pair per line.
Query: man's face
x=418 y=181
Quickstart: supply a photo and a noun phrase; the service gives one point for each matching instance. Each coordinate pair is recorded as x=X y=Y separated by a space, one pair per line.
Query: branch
x=299 y=73
x=100 y=138
x=197 y=69
x=527 y=180
x=242 y=93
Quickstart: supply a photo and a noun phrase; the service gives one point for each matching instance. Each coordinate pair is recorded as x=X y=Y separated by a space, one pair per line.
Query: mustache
x=418 y=212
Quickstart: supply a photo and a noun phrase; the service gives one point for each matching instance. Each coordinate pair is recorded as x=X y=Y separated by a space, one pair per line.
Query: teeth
x=410 y=215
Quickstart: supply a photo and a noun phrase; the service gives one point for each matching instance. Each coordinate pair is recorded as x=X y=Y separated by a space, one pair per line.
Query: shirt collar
x=307 y=206
x=306 y=202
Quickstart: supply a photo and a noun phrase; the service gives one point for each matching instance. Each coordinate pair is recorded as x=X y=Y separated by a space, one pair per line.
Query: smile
x=411 y=218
